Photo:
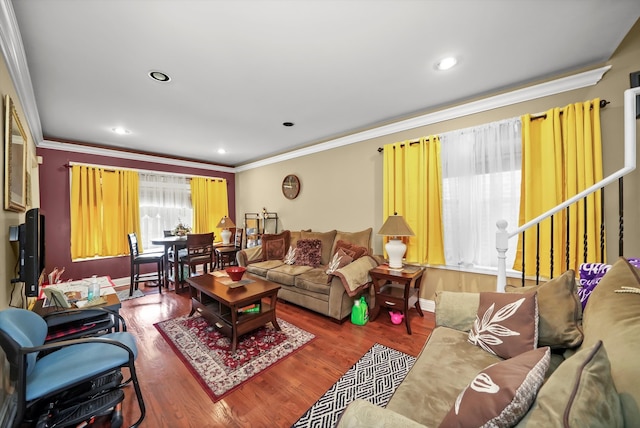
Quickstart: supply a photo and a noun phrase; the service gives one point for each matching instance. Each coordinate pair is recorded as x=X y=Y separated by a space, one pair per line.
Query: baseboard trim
x=428 y=305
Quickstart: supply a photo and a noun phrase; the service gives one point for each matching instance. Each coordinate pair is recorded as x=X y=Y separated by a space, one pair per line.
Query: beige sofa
x=593 y=378
x=307 y=286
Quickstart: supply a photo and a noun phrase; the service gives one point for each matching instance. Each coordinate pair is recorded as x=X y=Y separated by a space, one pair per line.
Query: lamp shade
x=225 y=223
x=395 y=226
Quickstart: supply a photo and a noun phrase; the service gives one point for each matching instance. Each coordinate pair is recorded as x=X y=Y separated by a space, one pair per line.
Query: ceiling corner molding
x=564 y=84
x=114 y=153
x=13 y=52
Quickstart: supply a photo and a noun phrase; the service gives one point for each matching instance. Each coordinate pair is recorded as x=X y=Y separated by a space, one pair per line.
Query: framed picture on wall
x=15 y=159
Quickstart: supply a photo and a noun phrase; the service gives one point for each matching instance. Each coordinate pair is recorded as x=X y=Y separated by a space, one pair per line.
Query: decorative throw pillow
x=340 y=259
x=580 y=391
x=506 y=324
x=590 y=276
x=559 y=311
x=274 y=246
x=354 y=251
x=290 y=257
x=501 y=394
x=308 y=252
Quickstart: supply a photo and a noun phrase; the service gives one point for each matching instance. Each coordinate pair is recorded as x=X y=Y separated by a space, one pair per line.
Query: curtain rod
x=411 y=143
x=143 y=171
x=603 y=104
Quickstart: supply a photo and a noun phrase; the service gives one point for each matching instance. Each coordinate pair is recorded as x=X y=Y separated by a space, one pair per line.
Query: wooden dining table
x=175 y=242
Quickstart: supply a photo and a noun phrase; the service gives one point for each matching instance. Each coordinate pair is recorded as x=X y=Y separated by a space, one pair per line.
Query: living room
x=341 y=186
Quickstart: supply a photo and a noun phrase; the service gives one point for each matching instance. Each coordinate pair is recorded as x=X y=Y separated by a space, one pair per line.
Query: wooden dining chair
x=199 y=252
x=226 y=254
x=137 y=259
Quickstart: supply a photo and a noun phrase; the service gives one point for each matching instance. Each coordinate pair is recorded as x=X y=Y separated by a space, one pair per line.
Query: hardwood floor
x=278 y=396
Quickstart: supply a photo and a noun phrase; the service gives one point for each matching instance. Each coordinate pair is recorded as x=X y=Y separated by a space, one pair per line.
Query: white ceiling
x=240 y=68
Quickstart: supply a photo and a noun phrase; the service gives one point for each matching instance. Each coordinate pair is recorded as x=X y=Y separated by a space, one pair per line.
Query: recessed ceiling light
x=287 y=123
x=446 y=63
x=222 y=151
x=159 y=76
x=121 y=131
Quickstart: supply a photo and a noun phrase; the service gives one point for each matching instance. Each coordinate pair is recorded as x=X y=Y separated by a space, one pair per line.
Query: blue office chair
x=61 y=383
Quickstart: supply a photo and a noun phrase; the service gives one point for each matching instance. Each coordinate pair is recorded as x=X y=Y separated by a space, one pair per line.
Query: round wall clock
x=291 y=186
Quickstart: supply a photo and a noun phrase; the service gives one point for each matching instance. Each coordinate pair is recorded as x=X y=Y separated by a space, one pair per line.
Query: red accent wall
x=54 y=203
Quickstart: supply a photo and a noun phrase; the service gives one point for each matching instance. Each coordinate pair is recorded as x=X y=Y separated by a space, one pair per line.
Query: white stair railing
x=503 y=236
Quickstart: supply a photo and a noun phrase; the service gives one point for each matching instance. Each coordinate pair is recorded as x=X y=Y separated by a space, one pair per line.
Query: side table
x=397 y=289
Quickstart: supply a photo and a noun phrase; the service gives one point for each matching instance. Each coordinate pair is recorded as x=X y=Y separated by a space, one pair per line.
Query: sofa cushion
x=286 y=274
x=355 y=276
x=294 y=235
x=580 y=393
x=275 y=246
x=308 y=252
x=614 y=318
x=362 y=238
x=261 y=268
x=559 y=310
x=506 y=323
x=290 y=257
x=315 y=280
x=353 y=250
x=327 y=243
x=502 y=393
x=456 y=309
x=444 y=368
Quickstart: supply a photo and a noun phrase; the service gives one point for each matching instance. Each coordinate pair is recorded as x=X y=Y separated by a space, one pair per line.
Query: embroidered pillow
x=274 y=246
x=590 y=276
x=354 y=251
x=308 y=252
x=290 y=257
x=340 y=259
x=501 y=394
x=506 y=323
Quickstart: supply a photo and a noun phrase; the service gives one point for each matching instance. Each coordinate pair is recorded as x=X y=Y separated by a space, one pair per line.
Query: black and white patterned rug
x=374 y=378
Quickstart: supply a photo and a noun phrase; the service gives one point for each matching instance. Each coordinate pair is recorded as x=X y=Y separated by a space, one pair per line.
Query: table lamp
x=225 y=224
x=394 y=227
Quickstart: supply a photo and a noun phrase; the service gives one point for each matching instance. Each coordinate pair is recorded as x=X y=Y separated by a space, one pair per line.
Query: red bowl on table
x=235 y=272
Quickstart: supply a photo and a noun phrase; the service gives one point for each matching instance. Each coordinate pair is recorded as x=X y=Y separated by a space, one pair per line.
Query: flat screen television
x=31 y=255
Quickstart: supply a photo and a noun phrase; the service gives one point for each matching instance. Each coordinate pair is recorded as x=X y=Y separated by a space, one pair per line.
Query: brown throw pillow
x=340 y=259
x=275 y=246
x=506 y=324
x=352 y=250
x=501 y=394
x=308 y=252
x=559 y=310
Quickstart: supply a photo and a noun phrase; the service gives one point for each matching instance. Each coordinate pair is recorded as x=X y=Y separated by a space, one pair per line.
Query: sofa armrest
x=249 y=255
x=456 y=309
x=362 y=414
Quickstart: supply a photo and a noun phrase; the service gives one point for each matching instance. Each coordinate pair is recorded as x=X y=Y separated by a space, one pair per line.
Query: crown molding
x=141 y=157
x=564 y=84
x=13 y=52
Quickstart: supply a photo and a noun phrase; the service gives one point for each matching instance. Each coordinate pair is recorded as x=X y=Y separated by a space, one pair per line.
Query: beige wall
x=8 y=251
x=342 y=187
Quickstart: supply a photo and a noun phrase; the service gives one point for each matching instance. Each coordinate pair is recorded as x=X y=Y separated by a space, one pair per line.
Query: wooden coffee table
x=219 y=304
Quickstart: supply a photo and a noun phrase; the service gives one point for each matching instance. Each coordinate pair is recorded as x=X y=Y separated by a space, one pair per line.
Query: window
x=165 y=200
x=481 y=169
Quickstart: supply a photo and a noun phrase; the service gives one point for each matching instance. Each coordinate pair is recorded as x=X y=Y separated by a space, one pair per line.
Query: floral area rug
x=207 y=353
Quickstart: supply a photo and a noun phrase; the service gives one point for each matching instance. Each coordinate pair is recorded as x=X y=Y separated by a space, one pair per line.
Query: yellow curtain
x=210 y=203
x=561 y=156
x=104 y=209
x=413 y=188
